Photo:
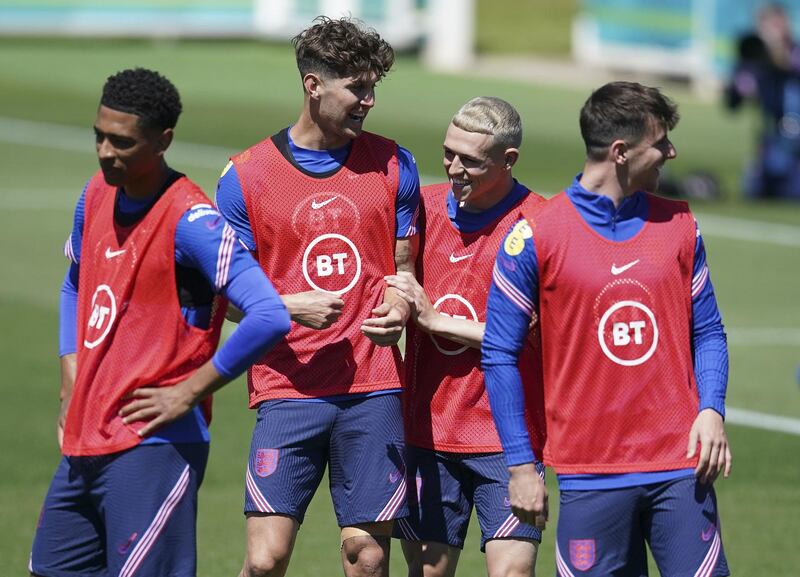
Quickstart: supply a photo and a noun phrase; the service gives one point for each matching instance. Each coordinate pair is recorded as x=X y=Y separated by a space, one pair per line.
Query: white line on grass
x=763 y=421
x=763 y=336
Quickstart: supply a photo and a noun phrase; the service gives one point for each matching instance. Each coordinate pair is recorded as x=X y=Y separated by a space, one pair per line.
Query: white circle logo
x=453 y=297
x=104 y=312
x=332 y=261
x=628 y=330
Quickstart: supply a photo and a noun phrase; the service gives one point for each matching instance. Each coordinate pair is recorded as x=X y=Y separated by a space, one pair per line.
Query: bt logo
x=633 y=335
x=332 y=263
x=104 y=312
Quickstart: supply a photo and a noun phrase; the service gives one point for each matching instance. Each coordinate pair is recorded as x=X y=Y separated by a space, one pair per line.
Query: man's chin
x=113 y=178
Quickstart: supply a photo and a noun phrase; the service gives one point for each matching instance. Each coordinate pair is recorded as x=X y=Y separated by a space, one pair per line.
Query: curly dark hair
x=145 y=93
x=342 y=48
x=623 y=110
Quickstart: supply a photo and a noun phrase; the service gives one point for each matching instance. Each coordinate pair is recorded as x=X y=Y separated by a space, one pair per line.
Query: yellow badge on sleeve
x=523 y=228
x=514 y=243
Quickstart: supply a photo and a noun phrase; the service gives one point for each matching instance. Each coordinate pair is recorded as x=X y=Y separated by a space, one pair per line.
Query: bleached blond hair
x=493 y=116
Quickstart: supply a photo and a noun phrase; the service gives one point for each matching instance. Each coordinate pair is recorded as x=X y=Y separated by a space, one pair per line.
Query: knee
x=369 y=553
x=266 y=564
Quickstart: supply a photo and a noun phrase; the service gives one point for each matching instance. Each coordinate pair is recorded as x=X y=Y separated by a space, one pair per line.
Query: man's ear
x=164 y=140
x=510 y=157
x=618 y=152
x=311 y=84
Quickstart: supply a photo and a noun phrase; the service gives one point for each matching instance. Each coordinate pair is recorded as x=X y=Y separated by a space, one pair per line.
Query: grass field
x=236 y=93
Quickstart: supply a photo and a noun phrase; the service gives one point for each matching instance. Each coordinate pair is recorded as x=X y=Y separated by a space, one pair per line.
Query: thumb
x=381 y=309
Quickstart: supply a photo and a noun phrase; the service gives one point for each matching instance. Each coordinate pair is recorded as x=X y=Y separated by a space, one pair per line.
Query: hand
x=708 y=430
x=69 y=368
x=386 y=325
x=528 y=494
x=411 y=291
x=314 y=309
x=157 y=405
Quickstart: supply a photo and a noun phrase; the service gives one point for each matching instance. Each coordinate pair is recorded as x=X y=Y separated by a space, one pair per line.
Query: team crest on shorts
x=266 y=462
x=582 y=553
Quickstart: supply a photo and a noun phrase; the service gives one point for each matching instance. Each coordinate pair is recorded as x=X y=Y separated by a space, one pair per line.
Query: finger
x=721 y=460
x=145 y=414
x=387 y=322
x=381 y=309
x=715 y=458
x=702 y=463
x=140 y=393
x=336 y=304
x=728 y=461
x=402 y=287
x=131 y=407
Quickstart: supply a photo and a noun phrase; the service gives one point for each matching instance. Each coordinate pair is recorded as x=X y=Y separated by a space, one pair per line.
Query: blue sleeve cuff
x=717 y=404
x=265 y=322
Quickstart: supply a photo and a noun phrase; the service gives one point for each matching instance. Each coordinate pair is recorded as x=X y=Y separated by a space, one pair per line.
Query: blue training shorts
x=360 y=440
x=448 y=486
x=604 y=532
x=124 y=514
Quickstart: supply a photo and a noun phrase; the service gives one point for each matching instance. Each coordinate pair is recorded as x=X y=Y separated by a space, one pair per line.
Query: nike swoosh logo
x=394 y=476
x=315 y=205
x=506 y=502
x=619 y=270
x=112 y=253
x=708 y=533
x=454 y=258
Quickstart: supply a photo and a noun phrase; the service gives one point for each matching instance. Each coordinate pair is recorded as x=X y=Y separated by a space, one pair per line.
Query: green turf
x=236 y=93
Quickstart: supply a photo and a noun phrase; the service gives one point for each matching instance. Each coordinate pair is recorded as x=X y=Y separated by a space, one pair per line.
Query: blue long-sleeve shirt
x=216 y=267
x=514 y=296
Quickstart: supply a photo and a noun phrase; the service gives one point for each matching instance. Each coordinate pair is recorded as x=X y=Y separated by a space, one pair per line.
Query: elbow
x=283 y=323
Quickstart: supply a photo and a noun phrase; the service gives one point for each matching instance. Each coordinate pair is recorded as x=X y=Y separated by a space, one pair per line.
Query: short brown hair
x=623 y=110
x=342 y=48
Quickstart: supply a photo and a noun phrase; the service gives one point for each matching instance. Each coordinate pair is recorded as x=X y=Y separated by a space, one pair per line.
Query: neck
x=149 y=185
x=607 y=180
x=491 y=197
x=306 y=133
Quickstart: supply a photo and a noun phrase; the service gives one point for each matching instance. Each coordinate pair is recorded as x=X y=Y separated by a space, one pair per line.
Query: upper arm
x=230 y=201
x=705 y=311
x=405 y=253
x=407 y=205
x=206 y=242
x=512 y=302
x=72 y=246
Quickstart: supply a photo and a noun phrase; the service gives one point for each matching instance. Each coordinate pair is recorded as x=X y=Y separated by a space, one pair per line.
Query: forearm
x=711 y=368
x=204 y=381
x=463 y=331
x=507 y=400
x=265 y=321
x=69 y=366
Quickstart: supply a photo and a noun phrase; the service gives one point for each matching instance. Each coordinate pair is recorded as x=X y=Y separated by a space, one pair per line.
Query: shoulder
x=253 y=152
